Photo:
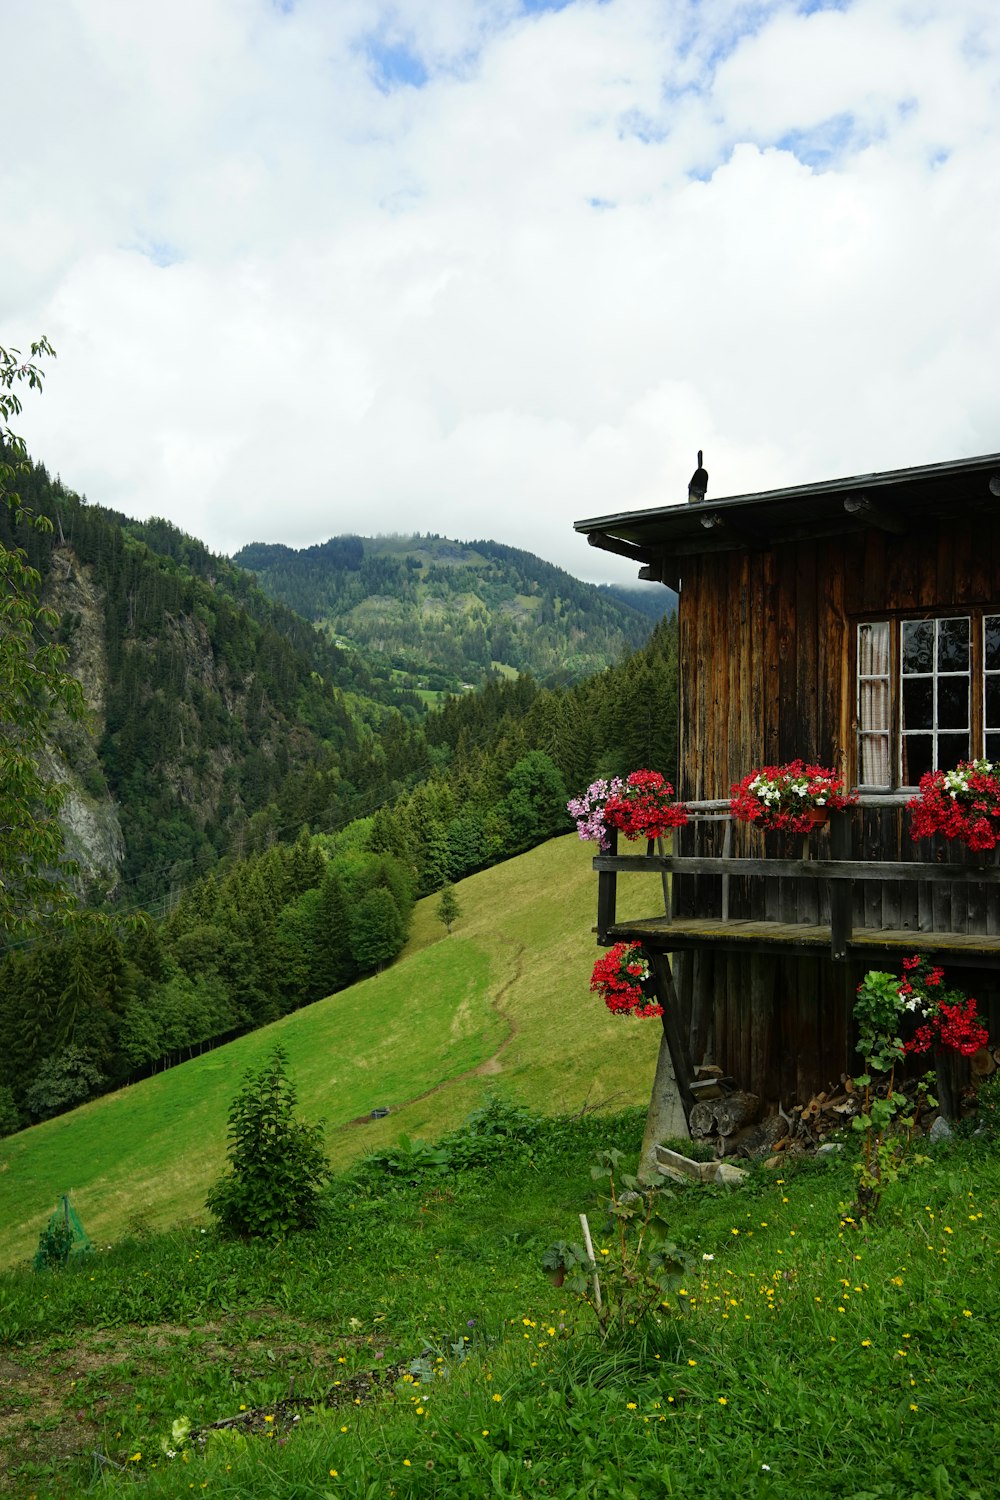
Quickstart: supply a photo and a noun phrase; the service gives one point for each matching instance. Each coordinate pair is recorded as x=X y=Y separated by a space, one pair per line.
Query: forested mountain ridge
x=215 y=712
x=445 y=611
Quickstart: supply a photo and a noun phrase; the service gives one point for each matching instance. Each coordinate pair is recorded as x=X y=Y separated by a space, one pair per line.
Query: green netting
x=62 y=1237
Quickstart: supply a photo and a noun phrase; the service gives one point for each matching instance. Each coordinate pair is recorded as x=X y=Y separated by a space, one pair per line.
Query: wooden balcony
x=858 y=889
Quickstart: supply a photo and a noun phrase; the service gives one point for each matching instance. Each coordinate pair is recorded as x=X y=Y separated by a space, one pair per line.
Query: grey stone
x=726 y=1175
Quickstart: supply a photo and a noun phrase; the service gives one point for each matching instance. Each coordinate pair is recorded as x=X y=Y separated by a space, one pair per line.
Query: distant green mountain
x=650 y=599
x=445 y=612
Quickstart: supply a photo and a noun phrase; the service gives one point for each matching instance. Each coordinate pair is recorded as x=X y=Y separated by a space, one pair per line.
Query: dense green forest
x=445 y=612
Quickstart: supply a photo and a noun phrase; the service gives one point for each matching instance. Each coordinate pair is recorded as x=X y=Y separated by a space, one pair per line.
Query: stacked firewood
x=730 y=1116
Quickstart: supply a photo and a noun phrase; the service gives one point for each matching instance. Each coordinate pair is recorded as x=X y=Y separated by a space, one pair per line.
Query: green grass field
x=501 y=1004
x=412 y=1346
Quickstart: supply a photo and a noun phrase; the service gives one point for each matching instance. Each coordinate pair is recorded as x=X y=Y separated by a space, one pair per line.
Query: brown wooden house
x=854 y=623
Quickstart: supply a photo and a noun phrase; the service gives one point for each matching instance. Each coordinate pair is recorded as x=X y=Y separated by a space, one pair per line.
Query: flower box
x=795 y=798
x=961 y=804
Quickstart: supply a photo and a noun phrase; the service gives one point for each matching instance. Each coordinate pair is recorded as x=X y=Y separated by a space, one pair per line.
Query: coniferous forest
x=268 y=806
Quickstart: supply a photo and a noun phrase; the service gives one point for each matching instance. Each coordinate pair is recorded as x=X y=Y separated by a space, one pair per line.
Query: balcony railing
x=860 y=884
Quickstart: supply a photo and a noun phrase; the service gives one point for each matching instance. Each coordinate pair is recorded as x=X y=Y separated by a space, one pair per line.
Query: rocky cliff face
x=89 y=815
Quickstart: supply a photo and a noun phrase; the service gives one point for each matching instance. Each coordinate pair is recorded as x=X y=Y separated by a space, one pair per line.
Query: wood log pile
x=730 y=1116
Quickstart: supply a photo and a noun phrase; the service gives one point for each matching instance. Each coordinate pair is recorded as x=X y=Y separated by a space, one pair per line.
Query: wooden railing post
x=841 y=891
x=607 y=894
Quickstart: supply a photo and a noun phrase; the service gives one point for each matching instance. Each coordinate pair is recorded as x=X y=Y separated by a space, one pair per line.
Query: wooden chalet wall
x=766 y=639
x=766 y=674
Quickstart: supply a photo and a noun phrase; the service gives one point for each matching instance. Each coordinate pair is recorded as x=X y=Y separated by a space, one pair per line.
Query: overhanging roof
x=894 y=501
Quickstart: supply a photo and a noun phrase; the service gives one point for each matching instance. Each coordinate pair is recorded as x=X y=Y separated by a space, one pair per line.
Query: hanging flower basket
x=794 y=798
x=641 y=805
x=644 y=807
x=624 y=980
x=961 y=804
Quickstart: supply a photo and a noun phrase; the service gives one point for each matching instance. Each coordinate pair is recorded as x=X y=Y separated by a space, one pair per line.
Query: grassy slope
x=502 y=1002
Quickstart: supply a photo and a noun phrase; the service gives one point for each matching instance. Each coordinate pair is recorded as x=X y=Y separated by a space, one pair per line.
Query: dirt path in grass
x=488 y=1068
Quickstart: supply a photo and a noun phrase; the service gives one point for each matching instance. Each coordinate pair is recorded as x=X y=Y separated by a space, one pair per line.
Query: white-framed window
x=991 y=686
x=928 y=695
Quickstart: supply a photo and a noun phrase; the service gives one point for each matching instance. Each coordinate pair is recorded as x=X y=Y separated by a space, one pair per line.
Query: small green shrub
x=54 y=1245
x=278 y=1166
x=495 y=1133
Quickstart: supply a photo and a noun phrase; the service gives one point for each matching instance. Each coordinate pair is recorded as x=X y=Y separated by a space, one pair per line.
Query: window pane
x=918 y=645
x=951 y=749
x=953 y=645
x=918 y=757
x=874 y=760
x=993 y=747
x=991 y=641
x=873 y=705
x=953 y=702
x=918 y=703
x=993 y=703
x=873 y=649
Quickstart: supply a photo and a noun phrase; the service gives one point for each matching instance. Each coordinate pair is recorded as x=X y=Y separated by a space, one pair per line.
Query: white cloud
x=294 y=294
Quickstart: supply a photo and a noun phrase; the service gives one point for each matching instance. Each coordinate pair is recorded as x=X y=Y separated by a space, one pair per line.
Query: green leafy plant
x=494 y=1133
x=278 y=1167
x=888 y=1117
x=986 y=1121
x=630 y=1282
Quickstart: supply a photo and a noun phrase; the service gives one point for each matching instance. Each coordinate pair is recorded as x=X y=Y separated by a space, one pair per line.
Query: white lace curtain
x=873 y=703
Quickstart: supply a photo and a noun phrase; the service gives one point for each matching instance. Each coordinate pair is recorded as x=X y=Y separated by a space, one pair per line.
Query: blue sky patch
x=810 y=7
x=820 y=146
x=749 y=18
x=394 y=65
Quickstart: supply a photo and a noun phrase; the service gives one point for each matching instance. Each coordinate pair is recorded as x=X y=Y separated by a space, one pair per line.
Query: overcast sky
x=487 y=267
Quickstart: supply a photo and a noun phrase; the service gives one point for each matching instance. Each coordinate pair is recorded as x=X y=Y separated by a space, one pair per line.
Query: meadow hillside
x=501 y=1004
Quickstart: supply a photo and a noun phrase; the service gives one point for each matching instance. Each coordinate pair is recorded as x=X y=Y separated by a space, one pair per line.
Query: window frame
x=979 y=677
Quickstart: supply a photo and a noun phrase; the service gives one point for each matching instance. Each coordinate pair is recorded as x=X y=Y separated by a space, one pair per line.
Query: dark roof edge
x=881 y=479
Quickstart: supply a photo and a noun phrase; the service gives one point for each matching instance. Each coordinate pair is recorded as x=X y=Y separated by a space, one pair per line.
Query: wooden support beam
x=608 y=543
x=607 y=892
